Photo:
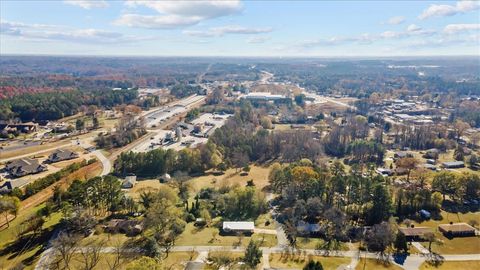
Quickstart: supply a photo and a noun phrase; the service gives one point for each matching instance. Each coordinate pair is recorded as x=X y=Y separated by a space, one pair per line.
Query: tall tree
x=253 y=255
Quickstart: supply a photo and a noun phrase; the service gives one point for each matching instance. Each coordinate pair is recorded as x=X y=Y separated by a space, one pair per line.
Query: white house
x=238 y=226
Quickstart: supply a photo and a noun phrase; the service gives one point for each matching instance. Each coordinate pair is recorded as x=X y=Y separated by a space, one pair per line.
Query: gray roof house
x=453 y=164
x=61 y=154
x=24 y=166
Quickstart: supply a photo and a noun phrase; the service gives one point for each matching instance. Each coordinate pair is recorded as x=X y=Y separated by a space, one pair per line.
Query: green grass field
x=24 y=250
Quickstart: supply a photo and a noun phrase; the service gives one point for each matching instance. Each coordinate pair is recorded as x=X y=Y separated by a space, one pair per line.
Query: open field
x=299 y=261
x=464 y=265
x=149 y=185
x=25 y=250
x=231 y=177
x=277 y=88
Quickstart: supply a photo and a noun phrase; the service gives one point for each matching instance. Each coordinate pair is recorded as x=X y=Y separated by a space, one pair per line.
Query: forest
x=56 y=105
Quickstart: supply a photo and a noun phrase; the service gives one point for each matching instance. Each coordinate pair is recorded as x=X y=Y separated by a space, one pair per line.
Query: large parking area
x=209 y=121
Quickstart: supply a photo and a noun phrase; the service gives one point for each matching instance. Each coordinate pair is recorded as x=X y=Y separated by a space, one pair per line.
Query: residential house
x=61 y=154
x=401 y=154
x=453 y=164
x=128 y=227
x=457 y=229
x=245 y=227
x=24 y=166
x=415 y=233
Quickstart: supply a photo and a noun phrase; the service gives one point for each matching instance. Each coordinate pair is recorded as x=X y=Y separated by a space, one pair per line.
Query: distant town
x=254 y=164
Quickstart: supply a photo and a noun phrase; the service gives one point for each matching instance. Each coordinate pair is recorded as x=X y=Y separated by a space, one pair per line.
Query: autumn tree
x=9 y=205
x=408 y=164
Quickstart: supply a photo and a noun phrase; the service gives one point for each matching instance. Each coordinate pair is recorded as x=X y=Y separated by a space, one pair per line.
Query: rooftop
x=238 y=225
x=456 y=227
x=415 y=231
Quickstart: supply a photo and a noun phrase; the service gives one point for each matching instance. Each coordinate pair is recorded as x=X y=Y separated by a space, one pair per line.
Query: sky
x=240 y=28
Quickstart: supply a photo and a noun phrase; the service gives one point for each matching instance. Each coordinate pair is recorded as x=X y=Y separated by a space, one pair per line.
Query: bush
x=48 y=180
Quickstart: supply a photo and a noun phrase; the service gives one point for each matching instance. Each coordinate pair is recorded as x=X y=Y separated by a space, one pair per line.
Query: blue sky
x=240 y=28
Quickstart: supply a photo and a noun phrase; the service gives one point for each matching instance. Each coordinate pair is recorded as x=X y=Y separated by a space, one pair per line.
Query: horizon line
x=244 y=56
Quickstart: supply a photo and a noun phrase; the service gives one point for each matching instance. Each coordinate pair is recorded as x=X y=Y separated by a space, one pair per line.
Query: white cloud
x=229 y=29
x=458 y=28
x=61 y=33
x=256 y=40
x=449 y=10
x=173 y=14
x=396 y=20
x=156 y=22
x=87 y=4
x=413 y=28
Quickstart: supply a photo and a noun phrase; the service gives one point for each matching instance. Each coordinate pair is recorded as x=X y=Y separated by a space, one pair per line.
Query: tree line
x=56 y=105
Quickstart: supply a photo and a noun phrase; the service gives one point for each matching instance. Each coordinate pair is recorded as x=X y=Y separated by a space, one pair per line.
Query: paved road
x=36 y=153
x=106 y=164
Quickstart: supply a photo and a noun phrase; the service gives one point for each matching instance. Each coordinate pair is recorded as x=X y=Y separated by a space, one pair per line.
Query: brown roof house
x=414 y=233
x=128 y=227
x=61 y=154
x=24 y=166
x=456 y=229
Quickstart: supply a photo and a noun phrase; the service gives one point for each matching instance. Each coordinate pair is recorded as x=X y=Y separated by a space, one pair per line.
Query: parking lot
x=208 y=120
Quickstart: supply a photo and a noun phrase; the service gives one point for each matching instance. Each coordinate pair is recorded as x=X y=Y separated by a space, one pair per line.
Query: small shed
x=165 y=178
x=129 y=181
x=245 y=227
x=457 y=229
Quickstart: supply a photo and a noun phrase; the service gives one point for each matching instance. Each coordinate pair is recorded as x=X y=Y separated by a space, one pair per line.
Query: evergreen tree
x=313 y=265
x=253 y=254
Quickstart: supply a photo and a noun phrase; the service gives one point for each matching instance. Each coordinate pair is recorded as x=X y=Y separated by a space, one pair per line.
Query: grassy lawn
x=27 y=249
x=375 y=264
x=148 y=185
x=231 y=177
x=299 y=261
x=110 y=240
x=209 y=236
x=174 y=261
x=308 y=242
x=460 y=245
x=262 y=220
x=466 y=265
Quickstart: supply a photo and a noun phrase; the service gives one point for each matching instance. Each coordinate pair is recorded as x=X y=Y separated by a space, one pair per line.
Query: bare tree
x=65 y=246
x=118 y=255
x=90 y=254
